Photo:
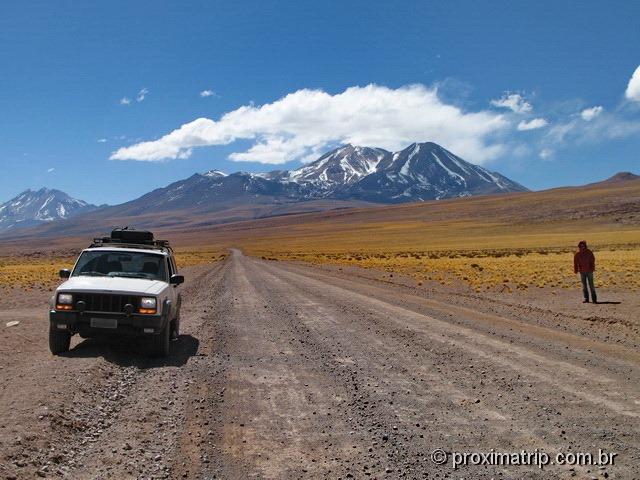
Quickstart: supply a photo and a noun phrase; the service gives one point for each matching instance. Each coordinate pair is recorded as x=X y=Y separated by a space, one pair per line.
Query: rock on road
x=285 y=371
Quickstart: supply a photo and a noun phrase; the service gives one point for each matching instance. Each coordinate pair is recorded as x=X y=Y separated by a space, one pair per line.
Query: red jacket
x=584 y=261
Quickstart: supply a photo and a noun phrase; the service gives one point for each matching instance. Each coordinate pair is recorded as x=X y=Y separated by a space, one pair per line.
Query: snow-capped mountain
x=35 y=207
x=346 y=176
x=425 y=171
x=422 y=171
x=337 y=168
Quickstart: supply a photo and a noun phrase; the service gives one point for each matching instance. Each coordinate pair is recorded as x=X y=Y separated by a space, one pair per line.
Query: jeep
x=124 y=284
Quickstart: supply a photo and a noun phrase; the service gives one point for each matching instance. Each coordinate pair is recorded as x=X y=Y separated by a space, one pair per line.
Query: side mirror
x=65 y=273
x=176 y=279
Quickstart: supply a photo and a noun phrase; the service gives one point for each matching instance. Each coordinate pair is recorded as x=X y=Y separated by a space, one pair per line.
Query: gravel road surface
x=285 y=371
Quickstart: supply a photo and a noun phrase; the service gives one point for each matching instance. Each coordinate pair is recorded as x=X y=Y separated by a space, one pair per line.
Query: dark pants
x=587 y=278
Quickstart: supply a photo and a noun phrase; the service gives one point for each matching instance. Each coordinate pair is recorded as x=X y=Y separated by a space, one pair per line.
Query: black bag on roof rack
x=124 y=235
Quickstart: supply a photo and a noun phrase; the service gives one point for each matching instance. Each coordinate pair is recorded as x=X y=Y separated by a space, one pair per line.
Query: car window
x=171 y=269
x=121 y=264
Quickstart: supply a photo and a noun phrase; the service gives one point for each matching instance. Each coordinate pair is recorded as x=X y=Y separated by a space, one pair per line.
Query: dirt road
x=284 y=371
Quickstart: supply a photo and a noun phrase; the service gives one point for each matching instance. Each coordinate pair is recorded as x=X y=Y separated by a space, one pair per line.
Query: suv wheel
x=175 y=329
x=160 y=342
x=59 y=341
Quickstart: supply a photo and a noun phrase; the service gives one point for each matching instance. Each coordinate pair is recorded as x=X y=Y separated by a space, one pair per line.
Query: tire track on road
x=375 y=312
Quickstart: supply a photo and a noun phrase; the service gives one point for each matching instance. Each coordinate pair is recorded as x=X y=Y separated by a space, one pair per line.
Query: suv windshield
x=121 y=264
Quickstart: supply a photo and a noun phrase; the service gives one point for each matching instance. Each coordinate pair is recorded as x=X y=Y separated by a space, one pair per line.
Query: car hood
x=130 y=286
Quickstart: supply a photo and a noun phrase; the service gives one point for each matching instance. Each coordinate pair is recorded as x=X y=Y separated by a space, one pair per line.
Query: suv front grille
x=104 y=302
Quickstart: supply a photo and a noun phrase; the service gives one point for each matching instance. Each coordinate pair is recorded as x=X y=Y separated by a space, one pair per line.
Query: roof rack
x=151 y=245
x=128 y=237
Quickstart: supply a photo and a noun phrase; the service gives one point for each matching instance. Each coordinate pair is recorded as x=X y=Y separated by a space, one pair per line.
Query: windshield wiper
x=129 y=275
x=92 y=274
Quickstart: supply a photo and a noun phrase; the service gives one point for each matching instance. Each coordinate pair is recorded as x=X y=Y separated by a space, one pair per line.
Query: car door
x=172 y=292
x=174 y=289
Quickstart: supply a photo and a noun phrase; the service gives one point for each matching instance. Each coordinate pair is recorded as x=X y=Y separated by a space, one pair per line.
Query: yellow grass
x=25 y=272
x=42 y=271
x=507 y=270
x=482 y=255
x=188 y=258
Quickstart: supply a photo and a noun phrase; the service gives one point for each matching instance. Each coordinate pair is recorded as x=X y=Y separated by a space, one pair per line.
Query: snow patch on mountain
x=31 y=208
x=343 y=165
x=214 y=174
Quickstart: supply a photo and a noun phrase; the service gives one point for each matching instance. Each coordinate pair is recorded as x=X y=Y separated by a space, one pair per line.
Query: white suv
x=125 y=284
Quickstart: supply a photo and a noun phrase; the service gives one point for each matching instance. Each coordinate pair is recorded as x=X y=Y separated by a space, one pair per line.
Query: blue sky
x=296 y=78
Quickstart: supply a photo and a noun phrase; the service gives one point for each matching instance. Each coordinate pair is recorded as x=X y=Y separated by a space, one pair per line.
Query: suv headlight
x=148 y=305
x=64 y=301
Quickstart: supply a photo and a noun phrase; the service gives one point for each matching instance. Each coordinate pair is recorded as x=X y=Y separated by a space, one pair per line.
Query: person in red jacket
x=584 y=263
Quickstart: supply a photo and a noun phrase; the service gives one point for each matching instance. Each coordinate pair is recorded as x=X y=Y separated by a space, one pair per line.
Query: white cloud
x=546 y=153
x=560 y=132
x=589 y=114
x=102 y=140
x=633 y=88
x=50 y=169
x=142 y=94
x=514 y=102
x=207 y=93
x=601 y=128
x=303 y=123
x=125 y=101
x=532 y=124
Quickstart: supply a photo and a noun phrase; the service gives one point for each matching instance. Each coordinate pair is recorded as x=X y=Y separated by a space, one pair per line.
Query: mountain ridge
x=364 y=174
x=34 y=207
x=621 y=177
x=345 y=176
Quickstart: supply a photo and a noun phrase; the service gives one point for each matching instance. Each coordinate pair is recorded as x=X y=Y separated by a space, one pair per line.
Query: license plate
x=104 y=323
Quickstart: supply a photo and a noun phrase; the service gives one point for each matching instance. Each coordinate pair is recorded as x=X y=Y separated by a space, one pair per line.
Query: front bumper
x=135 y=324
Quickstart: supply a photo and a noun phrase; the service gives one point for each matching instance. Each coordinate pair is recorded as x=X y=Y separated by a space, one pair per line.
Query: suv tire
x=175 y=329
x=59 y=342
x=160 y=342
